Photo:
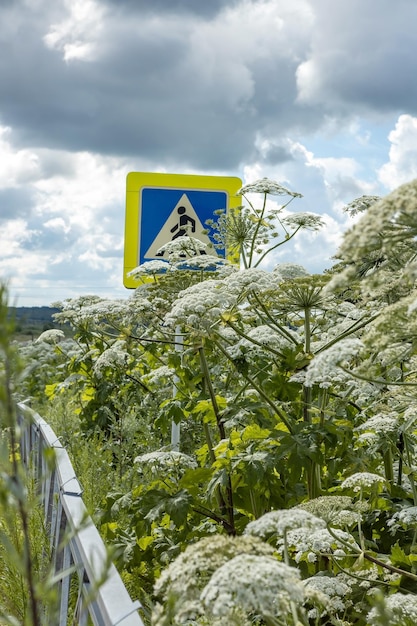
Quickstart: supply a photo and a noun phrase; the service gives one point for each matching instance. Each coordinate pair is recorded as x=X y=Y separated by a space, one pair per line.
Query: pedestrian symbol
x=161 y=208
x=181 y=227
x=182 y=221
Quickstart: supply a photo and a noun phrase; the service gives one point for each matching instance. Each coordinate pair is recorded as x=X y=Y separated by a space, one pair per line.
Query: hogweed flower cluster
x=324 y=368
x=334 y=510
x=359 y=205
x=260 y=585
x=52 y=336
x=277 y=523
x=267 y=186
x=184 y=580
x=165 y=461
x=396 y=610
x=307 y=545
x=114 y=357
x=362 y=481
x=406 y=518
x=330 y=592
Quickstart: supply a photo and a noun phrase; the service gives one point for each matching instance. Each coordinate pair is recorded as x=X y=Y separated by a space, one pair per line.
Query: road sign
x=162 y=207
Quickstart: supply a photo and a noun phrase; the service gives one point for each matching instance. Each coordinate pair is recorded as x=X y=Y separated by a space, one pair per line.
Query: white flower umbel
x=113 y=358
x=323 y=368
x=360 y=204
x=362 y=481
x=200 y=305
x=52 y=336
x=104 y=310
x=381 y=423
x=309 y=221
x=191 y=570
x=150 y=268
x=373 y=232
x=277 y=523
x=207 y=263
x=307 y=545
x=165 y=461
x=267 y=186
x=260 y=585
x=160 y=375
x=334 y=590
x=287 y=271
x=252 y=280
x=398 y=609
x=258 y=340
x=183 y=247
x=332 y=509
x=406 y=518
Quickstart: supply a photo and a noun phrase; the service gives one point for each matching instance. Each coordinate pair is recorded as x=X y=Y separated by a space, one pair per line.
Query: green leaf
x=399 y=557
x=253 y=431
x=156 y=503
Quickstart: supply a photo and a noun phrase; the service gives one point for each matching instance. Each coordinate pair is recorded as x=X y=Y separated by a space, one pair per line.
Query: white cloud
x=57 y=224
x=77 y=35
x=300 y=91
x=402 y=164
x=16 y=166
x=13 y=234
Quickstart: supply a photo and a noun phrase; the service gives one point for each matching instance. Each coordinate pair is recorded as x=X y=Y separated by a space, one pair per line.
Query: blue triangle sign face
x=182 y=221
x=168 y=213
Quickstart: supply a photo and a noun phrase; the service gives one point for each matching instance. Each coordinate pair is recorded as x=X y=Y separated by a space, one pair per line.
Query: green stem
x=277 y=245
x=283 y=331
x=352 y=329
x=222 y=432
x=372 y=559
x=409 y=463
x=258 y=225
x=240 y=332
x=388 y=466
x=277 y=410
x=307 y=392
x=376 y=381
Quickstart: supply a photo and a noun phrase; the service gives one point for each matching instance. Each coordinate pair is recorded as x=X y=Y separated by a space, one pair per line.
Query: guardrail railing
x=76 y=545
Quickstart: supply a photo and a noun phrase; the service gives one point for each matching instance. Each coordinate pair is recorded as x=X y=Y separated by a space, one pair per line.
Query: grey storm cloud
x=318 y=94
x=205 y=9
x=152 y=89
x=362 y=57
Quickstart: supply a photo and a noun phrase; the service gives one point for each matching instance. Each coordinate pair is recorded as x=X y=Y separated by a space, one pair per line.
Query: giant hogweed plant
x=286 y=387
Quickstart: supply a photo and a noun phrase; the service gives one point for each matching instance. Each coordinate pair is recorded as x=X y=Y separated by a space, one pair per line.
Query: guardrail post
x=74 y=541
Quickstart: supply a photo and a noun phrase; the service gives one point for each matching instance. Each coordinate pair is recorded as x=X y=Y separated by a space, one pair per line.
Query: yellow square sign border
x=136 y=181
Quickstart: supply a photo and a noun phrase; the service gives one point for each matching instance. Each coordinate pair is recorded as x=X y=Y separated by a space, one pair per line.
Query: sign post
x=162 y=207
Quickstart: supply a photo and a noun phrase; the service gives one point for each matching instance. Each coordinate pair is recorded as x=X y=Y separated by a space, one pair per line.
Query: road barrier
x=76 y=545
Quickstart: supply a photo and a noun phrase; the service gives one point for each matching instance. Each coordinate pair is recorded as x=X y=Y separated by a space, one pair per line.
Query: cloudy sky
x=319 y=95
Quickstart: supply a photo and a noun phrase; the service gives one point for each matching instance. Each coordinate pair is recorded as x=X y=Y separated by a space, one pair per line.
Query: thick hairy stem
x=280 y=329
x=277 y=409
x=372 y=559
x=388 y=466
x=409 y=463
x=314 y=471
x=352 y=329
x=222 y=432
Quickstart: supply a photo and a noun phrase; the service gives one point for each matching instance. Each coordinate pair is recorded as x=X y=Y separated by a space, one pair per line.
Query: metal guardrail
x=75 y=542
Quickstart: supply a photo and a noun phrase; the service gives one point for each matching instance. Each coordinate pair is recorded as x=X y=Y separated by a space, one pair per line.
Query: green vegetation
x=292 y=497
x=26 y=594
